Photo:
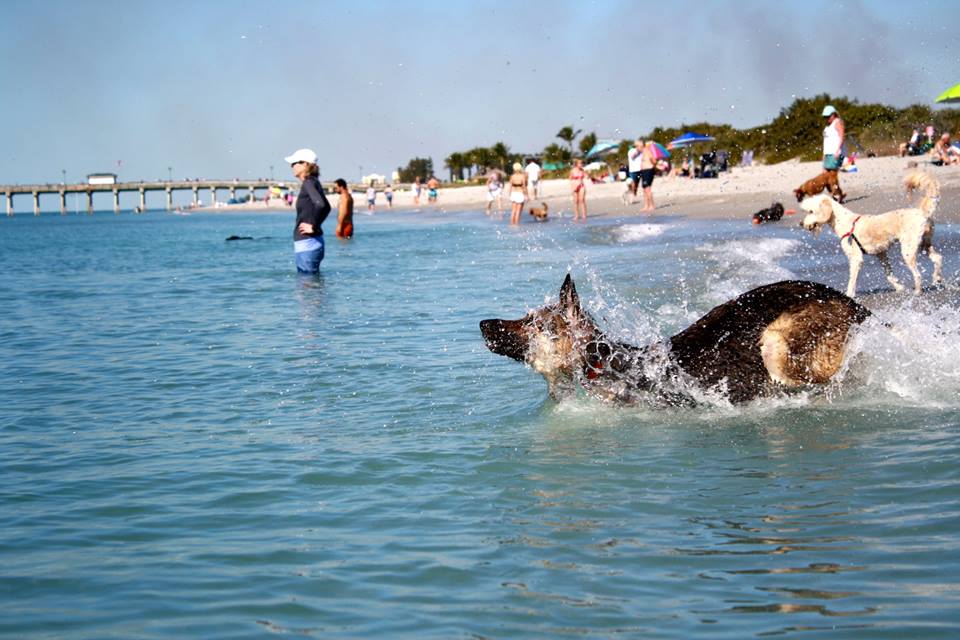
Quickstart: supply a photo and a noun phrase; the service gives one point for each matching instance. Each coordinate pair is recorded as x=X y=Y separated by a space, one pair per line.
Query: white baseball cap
x=302 y=155
x=828 y=111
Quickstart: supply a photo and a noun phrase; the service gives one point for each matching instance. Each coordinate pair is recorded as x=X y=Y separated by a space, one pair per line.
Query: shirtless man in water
x=345 y=210
x=648 y=165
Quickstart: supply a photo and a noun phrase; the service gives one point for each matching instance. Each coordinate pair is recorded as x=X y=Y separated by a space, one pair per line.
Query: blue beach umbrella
x=688 y=139
x=603 y=146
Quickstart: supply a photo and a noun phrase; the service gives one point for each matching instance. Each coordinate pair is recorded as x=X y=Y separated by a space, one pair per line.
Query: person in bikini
x=344 y=210
x=578 y=186
x=517 y=192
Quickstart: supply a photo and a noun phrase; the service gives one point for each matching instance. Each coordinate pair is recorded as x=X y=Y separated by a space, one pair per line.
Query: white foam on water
x=627 y=233
x=907 y=355
x=745 y=264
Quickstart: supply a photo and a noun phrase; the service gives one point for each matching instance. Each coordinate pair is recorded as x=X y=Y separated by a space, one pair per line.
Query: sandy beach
x=876 y=186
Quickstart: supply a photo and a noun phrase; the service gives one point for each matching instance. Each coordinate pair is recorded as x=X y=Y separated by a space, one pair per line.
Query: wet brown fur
x=540 y=213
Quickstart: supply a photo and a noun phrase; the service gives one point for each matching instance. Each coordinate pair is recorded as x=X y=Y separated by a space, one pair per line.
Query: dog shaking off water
x=778 y=336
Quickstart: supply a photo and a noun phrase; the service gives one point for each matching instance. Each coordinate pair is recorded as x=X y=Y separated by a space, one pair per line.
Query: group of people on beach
x=941 y=149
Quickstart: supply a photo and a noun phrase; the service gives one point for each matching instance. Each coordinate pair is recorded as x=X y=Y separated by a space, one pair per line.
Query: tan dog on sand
x=540 y=213
x=861 y=234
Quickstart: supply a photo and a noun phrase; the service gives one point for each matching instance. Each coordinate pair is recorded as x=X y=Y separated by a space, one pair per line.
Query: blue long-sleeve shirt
x=312 y=208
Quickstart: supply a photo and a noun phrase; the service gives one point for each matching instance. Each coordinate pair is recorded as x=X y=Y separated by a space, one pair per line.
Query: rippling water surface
x=195 y=442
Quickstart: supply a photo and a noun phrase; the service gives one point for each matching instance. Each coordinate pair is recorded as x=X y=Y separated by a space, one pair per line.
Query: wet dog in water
x=772 y=213
x=782 y=335
x=540 y=213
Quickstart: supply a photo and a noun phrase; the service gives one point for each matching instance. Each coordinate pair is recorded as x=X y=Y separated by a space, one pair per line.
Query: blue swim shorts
x=832 y=162
x=308 y=253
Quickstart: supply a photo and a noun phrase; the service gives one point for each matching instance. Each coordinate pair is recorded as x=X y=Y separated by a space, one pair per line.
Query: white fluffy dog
x=860 y=234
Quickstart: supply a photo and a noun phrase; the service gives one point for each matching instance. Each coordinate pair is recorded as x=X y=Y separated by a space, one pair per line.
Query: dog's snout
x=505 y=337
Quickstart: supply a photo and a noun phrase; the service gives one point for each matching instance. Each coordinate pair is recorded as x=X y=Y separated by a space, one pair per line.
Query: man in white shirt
x=533 y=178
x=634 y=160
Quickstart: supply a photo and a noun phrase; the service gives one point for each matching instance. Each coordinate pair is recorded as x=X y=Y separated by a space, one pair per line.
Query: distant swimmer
x=344 y=210
x=432 y=185
x=312 y=209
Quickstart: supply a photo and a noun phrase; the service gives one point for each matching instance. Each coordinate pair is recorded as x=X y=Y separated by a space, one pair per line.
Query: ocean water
x=197 y=443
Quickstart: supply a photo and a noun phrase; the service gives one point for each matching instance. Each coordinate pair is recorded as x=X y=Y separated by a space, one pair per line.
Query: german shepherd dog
x=775 y=337
x=815 y=186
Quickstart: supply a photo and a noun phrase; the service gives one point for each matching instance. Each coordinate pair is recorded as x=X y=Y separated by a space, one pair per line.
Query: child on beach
x=371 y=198
x=388 y=194
x=494 y=191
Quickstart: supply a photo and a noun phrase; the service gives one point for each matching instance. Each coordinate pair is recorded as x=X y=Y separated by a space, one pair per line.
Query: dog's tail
x=931 y=190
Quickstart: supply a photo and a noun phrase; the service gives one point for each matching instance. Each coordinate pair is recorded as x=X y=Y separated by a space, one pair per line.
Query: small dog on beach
x=815 y=186
x=540 y=213
x=782 y=335
x=873 y=235
x=772 y=213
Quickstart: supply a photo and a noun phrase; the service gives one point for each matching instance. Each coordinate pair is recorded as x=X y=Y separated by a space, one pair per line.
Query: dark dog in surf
x=815 y=186
x=540 y=213
x=773 y=213
x=779 y=336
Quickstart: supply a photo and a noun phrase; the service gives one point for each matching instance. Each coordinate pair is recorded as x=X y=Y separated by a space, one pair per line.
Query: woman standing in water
x=312 y=210
x=578 y=183
x=517 y=192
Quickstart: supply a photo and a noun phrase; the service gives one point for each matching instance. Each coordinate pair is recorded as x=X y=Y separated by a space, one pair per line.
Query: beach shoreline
x=875 y=187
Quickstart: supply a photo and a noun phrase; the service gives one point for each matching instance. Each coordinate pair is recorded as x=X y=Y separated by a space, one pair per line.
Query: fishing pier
x=166 y=186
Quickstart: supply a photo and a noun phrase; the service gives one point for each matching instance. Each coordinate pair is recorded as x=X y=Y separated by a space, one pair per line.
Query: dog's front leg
x=910 y=257
x=888 y=270
x=856 y=260
x=937 y=261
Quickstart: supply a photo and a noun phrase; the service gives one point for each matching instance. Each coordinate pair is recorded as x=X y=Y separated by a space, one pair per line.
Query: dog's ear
x=568 y=294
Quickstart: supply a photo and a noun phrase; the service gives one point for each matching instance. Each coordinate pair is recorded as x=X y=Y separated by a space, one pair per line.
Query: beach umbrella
x=603 y=146
x=951 y=95
x=659 y=151
x=688 y=139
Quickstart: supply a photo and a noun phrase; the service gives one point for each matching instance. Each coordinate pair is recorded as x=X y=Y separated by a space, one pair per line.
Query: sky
x=218 y=89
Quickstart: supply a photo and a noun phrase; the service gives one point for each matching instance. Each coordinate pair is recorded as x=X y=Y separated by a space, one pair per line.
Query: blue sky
x=226 y=89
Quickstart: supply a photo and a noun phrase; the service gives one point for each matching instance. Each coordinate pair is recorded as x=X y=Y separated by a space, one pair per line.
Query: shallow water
x=195 y=442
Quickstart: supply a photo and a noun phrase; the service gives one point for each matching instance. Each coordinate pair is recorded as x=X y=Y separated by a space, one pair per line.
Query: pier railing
x=167 y=186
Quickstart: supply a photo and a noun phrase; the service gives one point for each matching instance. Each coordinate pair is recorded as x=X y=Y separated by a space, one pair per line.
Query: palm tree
x=482 y=158
x=454 y=162
x=555 y=154
x=567 y=134
x=501 y=154
x=587 y=142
